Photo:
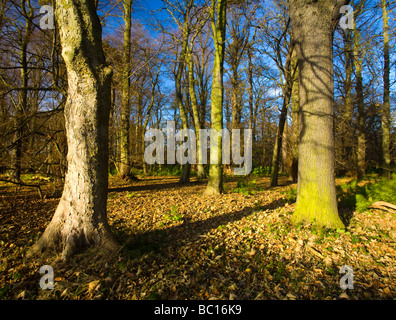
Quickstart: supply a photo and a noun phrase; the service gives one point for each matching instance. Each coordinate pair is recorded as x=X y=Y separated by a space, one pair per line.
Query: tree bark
x=293 y=170
x=80 y=220
x=194 y=103
x=287 y=91
x=125 y=158
x=347 y=132
x=21 y=107
x=313 y=25
x=361 y=116
x=185 y=177
x=215 y=182
x=386 y=104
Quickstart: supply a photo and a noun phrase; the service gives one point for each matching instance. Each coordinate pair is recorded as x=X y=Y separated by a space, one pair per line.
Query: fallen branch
x=384 y=206
x=20 y=183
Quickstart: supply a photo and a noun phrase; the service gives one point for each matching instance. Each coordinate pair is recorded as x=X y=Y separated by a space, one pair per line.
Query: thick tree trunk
x=215 y=182
x=80 y=220
x=386 y=105
x=312 y=25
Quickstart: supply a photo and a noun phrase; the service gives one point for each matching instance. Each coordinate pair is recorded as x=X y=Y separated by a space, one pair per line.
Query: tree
x=80 y=219
x=180 y=11
x=218 y=13
x=293 y=169
x=24 y=38
x=313 y=24
x=193 y=96
x=358 y=56
x=125 y=165
x=287 y=73
x=238 y=25
x=386 y=104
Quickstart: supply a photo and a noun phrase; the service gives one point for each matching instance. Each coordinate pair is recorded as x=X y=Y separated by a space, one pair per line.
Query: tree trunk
x=235 y=99
x=386 y=105
x=185 y=177
x=293 y=170
x=347 y=133
x=313 y=25
x=80 y=220
x=21 y=107
x=125 y=158
x=154 y=82
x=197 y=122
x=252 y=114
x=215 y=182
x=361 y=117
x=282 y=119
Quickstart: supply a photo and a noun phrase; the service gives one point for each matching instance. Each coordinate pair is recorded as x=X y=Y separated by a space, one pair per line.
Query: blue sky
x=142 y=12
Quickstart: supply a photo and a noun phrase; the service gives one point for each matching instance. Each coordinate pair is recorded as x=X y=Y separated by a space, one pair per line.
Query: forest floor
x=179 y=244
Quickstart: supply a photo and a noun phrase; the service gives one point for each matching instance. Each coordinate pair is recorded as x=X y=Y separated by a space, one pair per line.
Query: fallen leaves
x=178 y=244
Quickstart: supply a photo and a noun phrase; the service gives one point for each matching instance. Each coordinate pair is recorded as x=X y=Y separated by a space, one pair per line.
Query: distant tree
x=125 y=157
x=358 y=57
x=386 y=122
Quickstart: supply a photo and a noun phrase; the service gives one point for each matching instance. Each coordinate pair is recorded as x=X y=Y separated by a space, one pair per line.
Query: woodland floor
x=178 y=244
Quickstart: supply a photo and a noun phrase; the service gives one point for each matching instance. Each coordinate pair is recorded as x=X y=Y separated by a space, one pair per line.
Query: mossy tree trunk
x=313 y=24
x=219 y=9
x=80 y=220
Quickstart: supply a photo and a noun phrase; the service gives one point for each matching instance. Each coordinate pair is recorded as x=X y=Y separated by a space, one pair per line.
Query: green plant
x=382 y=190
x=261 y=171
x=171 y=170
x=362 y=197
x=174 y=215
x=291 y=195
x=4 y=290
x=247 y=187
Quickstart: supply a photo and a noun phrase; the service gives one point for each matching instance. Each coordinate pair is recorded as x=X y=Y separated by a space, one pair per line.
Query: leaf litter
x=178 y=244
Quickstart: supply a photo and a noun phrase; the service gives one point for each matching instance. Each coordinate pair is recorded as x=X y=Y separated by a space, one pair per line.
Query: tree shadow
x=136 y=245
x=156 y=186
